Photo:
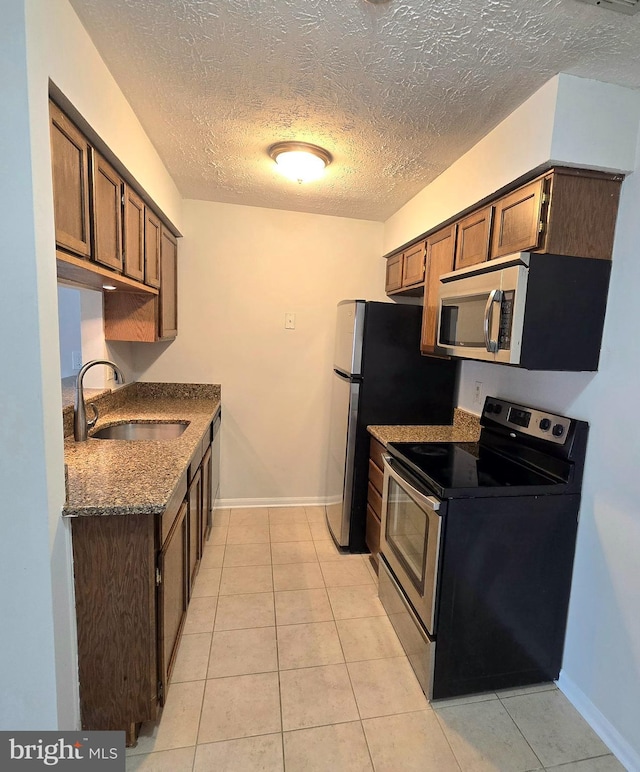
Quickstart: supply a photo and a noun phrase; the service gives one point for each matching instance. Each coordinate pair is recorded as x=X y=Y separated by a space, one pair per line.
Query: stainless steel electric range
x=477 y=547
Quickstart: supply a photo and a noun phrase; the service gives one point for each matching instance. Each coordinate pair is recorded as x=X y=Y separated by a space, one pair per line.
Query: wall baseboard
x=304 y=501
x=621 y=749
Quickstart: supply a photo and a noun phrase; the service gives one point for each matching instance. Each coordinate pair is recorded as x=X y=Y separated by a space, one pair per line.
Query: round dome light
x=300 y=161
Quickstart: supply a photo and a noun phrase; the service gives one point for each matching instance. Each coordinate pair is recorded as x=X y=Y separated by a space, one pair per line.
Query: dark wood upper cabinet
x=107 y=213
x=413 y=265
x=152 y=229
x=168 y=317
x=406 y=270
x=394 y=273
x=134 y=229
x=440 y=254
x=472 y=241
x=581 y=214
x=518 y=225
x=70 y=171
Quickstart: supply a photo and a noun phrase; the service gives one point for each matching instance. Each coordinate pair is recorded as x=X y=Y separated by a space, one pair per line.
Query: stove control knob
x=545 y=423
x=497 y=409
x=558 y=430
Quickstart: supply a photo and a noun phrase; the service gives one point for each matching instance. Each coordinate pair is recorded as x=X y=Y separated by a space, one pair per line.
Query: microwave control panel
x=506 y=320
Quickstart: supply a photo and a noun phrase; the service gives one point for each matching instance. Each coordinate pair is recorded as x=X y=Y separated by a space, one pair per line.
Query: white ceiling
x=396 y=92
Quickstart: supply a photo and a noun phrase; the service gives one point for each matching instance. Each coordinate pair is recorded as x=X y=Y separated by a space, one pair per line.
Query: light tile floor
x=288 y=662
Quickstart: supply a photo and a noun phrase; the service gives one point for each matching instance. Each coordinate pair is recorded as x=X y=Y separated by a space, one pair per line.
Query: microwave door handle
x=495 y=296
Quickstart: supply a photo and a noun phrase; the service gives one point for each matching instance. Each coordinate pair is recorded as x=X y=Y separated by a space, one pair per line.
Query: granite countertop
x=465 y=428
x=120 y=477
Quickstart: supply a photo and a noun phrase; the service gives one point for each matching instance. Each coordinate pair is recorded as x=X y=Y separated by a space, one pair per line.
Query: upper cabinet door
x=394 y=273
x=472 y=241
x=440 y=252
x=413 y=265
x=107 y=213
x=134 y=224
x=152 y=249
x=168 y=286
x=70 y=169
x=518 y=224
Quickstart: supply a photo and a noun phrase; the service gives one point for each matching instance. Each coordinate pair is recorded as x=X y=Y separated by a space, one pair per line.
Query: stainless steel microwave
x=541 y=312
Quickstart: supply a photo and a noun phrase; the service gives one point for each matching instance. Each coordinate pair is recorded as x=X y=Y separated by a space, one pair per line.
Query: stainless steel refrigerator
x=379 y=377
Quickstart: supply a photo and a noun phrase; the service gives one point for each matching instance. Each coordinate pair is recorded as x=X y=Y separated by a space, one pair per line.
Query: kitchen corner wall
x=241 y=269
x=601 y=670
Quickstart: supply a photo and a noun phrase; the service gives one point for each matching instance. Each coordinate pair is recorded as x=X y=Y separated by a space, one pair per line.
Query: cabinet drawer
x=374 y=500
x=376 y=450
x=376 y=476
x=373 y=532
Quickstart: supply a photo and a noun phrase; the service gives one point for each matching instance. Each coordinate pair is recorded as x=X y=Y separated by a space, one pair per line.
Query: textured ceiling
x=396 y=92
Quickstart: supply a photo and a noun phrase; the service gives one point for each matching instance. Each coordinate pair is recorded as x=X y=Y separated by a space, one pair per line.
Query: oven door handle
x=495 y=296
x=429 y=501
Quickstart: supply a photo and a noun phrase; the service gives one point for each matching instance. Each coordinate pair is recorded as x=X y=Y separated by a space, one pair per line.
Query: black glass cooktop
x=468 y=469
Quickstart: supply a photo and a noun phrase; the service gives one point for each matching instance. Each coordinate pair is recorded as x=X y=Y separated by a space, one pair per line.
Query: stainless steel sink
x=136 y=430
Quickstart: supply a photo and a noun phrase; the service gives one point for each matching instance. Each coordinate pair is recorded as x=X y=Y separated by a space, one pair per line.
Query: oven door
x=410 y=540
x=481 y=310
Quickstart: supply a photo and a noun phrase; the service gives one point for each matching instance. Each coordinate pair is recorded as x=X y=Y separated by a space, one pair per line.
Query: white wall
x=41 y=41
x=240 y=269
x=601 y=672
x=27 y=654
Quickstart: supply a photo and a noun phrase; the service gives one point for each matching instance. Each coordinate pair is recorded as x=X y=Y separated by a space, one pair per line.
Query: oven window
x=462 y=321
x=406 y=533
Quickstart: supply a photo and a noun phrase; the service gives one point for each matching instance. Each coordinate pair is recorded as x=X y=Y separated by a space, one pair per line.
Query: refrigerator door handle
x=347 y=376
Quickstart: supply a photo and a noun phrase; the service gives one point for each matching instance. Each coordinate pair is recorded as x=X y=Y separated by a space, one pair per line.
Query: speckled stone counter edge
x=465 y=428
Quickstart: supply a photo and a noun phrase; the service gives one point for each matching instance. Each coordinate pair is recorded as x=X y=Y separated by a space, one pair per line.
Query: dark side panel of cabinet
x=114 y=572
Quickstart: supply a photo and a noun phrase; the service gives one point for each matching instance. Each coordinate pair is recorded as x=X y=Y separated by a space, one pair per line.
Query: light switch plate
x=289 y=321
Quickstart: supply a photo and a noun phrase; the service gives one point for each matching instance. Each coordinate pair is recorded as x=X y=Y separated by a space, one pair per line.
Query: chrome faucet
x=80 y=424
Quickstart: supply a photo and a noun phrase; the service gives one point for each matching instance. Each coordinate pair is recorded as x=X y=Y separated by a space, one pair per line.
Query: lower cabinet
x=172 y=597
x=206 y=516
x=374 y=500
x=195 y=529
x=133 y=579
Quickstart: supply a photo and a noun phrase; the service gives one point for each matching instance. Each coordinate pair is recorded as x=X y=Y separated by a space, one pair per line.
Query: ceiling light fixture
x=300 y=161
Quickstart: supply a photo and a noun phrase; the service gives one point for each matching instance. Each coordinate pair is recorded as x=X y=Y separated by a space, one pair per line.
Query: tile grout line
x=542 y=766
x=275 y=622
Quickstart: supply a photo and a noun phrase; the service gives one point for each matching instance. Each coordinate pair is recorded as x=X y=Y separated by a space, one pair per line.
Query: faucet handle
x=91 y=422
